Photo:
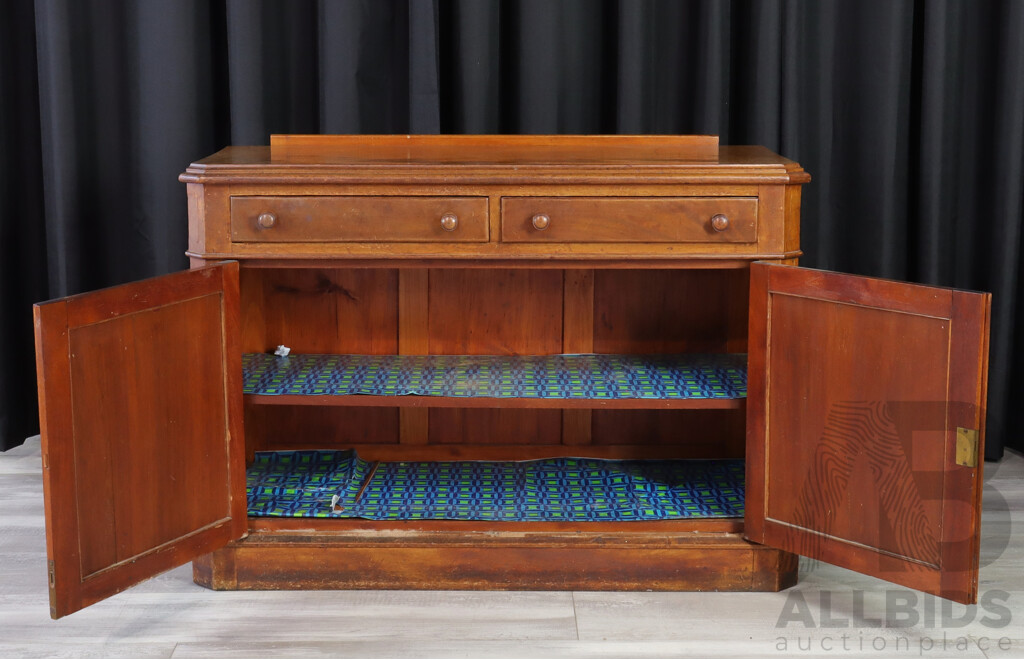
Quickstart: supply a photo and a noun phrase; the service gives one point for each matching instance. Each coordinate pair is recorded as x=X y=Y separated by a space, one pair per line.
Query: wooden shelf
x=707 y=381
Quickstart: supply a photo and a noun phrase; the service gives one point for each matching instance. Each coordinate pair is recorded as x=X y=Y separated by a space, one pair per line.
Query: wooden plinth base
x=511 y=556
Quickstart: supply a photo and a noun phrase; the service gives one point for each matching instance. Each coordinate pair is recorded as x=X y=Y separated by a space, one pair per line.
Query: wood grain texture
x=252 y=309
x=196 y=217
x=358 y=219
x=480 y=427
x=522 y=560
x=757 y=407
x=774 y=231
x=695 y=433
x=495 y=312
x=961 y=519
x=413 y=339
x=322 y=310
x=413 y=311
x=825 y=382
x=862 y=401
x=578 y=311
x=628 y=220
x=144 y=448
x=792 y=219
x=329 y=310
x=516 y=149
x=140 y=450
x=577 y=427
x=670 y=311
x=524 y=448
x=577 y=337
x=272 y=428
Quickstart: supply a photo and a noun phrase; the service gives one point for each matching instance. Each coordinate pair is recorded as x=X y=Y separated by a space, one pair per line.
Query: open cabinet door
x=141 y=413
x=865 y=425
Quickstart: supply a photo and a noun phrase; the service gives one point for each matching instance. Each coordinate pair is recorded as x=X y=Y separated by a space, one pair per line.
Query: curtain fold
x=24 y=273
x=909 y=115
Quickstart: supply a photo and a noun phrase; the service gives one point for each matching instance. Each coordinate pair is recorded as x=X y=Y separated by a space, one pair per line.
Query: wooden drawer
x=352 y=219
x=628 y=220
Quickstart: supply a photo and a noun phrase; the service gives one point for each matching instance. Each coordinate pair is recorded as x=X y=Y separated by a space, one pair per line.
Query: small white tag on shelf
x=282 y=351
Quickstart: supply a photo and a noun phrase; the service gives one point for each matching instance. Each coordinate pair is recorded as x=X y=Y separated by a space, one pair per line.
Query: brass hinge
x=966 y=447
x=52 y=580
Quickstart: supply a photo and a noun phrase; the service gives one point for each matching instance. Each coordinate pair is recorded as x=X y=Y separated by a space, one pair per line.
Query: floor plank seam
x=575 y=615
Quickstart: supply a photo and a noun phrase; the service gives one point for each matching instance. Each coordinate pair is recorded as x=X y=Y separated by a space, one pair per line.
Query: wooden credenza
x=861 y=426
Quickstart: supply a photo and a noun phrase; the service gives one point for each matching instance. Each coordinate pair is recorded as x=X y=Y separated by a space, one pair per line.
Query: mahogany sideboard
x=861 y=428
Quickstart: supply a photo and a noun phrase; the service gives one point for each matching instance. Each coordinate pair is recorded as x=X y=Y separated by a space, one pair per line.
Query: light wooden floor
x=171 y=617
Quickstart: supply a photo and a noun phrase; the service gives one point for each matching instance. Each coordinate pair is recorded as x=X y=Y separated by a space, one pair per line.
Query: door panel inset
x=857 y=387
x=141 y=428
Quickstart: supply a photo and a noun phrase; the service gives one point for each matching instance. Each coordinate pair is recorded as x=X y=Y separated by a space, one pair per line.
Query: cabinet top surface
x=497 y=157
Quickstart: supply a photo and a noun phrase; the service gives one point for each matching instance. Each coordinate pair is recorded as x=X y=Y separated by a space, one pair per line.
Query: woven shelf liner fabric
x=713 y=376
x=303 y=483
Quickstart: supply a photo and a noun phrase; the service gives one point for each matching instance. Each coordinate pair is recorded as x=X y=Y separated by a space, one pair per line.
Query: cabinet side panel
x=196 y=218
x=772 y=216
x=793 y=218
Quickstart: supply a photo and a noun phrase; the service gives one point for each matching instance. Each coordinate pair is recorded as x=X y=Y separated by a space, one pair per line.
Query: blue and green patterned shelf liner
x=585 y=376
x=305 y=483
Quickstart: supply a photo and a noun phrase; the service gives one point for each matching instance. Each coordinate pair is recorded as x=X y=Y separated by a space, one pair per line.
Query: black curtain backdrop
x=908 y=114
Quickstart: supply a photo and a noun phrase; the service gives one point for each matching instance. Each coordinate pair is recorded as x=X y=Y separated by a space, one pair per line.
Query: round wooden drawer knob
x=266 y=220
x=541 y=221
x=449 y=221
x=719 y=222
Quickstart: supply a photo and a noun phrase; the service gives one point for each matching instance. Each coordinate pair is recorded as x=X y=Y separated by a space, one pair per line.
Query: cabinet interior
x=495 y=312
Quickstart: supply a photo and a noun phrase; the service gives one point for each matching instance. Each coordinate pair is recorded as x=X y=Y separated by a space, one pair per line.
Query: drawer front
x=351 y=219
x=628 y=220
